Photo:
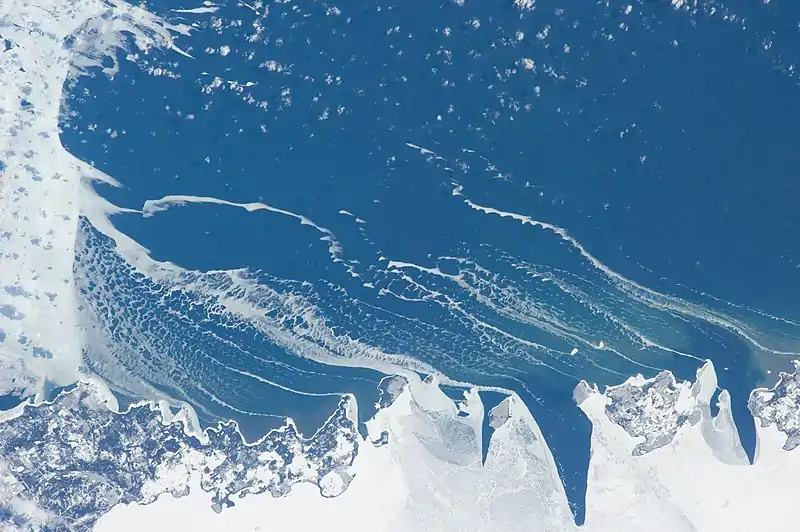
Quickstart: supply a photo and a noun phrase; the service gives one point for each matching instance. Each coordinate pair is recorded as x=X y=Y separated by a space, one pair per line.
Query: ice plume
x=189 y=363
x=633 y=289
x=557 y=292
x=152 y=207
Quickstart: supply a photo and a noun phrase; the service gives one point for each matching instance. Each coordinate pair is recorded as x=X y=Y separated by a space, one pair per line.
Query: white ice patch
x=47 y=41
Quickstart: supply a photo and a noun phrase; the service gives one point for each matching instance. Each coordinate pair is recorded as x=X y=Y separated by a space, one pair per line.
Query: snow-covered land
x=66 y=463
x=660 y=462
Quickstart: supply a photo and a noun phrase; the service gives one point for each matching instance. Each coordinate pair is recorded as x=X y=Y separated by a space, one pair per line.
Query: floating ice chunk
x=198 y=10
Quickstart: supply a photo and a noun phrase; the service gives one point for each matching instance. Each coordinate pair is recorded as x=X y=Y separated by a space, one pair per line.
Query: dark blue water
x=490 y=400
x=7 y=402
x=53 y=392
x=662 y=140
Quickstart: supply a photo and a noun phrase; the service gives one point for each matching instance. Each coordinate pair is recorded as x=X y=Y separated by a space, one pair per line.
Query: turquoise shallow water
x=661 y=139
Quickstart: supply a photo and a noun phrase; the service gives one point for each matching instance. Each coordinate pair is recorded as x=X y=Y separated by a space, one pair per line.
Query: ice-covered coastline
x=660 y=462
x=67 y=462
